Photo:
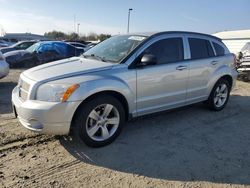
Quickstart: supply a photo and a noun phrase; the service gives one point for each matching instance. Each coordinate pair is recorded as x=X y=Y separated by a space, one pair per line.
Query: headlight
x=55 y=92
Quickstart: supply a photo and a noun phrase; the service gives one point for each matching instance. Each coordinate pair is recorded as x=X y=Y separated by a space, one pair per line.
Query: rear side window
x=167 y=50
x=200 y=48
x=60 y=48
x=220 y=51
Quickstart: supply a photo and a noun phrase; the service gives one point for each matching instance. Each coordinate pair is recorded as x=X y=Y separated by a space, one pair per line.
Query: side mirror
x=147 y=59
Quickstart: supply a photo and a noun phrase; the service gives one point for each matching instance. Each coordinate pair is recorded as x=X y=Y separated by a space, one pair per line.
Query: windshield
x=33 y=48
x=115 y=48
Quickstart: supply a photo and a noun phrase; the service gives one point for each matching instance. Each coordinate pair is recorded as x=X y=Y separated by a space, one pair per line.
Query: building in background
x=234 y=40
x=24 y=36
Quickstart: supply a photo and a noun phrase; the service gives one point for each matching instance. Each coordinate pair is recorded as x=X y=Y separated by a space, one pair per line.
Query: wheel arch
x=112 y=93
x=228 y=78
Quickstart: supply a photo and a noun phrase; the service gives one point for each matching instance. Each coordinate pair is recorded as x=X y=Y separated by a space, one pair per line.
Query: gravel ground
x=187 y=147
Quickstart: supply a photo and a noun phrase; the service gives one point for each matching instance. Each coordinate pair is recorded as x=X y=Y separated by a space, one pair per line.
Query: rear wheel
x=219 y=95
x=100 y=121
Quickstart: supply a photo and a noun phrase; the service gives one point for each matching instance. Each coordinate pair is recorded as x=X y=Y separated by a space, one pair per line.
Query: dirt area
x=188 y=147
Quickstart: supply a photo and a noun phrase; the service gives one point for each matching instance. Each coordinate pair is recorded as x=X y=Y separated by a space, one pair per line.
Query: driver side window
x=167 y=50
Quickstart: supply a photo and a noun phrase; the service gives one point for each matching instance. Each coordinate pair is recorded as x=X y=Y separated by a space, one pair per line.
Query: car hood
x=16 y=53
x=65 y=68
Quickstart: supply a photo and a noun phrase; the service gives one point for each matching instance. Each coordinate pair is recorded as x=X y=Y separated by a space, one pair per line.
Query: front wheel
x=100 y=121
x=219 y=95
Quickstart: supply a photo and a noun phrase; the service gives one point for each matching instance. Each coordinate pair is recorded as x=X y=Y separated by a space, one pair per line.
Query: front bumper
x=44 y=117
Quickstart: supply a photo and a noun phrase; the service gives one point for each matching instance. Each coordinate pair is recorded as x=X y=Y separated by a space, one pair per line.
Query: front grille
x=23 y=90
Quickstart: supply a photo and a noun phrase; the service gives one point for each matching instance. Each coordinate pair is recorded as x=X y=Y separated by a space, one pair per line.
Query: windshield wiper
x=95 y=57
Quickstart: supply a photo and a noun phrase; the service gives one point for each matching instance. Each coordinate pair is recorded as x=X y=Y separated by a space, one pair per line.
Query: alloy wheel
x=102 y=122
x=221 y=94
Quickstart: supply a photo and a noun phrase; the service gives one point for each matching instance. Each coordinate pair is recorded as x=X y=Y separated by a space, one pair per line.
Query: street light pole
x=129 y=10
x=78 y=28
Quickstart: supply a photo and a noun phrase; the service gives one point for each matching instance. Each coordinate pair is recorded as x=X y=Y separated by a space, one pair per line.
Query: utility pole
x=78 y=30
x=129 y=10
x=74 y=23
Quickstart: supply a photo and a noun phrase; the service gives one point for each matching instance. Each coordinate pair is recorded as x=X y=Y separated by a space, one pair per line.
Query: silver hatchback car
x=121 y=78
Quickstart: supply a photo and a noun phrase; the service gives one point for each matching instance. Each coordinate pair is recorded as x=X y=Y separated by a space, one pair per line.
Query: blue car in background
x=40 y=53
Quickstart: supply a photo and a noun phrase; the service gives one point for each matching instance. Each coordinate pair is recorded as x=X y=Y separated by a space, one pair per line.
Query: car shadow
x=187 y=144
x=5 y=96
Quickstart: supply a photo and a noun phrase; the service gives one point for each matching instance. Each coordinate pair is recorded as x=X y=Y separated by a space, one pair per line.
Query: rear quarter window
x=200 y=48
x=220 y=51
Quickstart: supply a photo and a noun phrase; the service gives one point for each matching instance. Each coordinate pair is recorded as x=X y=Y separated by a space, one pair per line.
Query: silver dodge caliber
x=121 y=78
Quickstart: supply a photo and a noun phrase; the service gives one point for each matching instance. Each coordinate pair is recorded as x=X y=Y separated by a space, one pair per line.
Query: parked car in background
x=78 y=45
x=121 y=78
x=4 y=67
x=41 y=52
x=243 y=66
x=78 y=41
x=3 y=43
x=8 y=41
x=90 y=45
x=22 y=45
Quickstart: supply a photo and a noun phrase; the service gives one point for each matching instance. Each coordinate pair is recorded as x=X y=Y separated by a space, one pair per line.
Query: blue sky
x=110 y=16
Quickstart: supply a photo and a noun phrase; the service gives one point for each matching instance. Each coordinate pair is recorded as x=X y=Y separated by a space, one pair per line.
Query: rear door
x=163 y=85
x=202 y=65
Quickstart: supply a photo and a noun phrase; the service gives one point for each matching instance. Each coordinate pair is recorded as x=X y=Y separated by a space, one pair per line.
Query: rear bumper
x=44 y=117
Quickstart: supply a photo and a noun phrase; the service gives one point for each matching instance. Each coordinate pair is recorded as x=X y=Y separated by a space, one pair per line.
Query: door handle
x=214 y=62
x=181 y=67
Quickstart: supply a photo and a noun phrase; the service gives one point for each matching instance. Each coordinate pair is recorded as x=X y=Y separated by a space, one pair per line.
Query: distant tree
x=73 y=36
x=83 y=37
x=55 y=35
x=92 y=36
x=59 y=35
x=103 y=37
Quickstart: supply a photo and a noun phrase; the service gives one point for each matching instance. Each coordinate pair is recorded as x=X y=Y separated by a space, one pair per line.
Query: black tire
x=211 y=103
x=81 y=118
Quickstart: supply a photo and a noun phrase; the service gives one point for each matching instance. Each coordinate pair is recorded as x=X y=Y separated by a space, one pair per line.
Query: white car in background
x=243 y=66
x=4 y=66
x=3 y=44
